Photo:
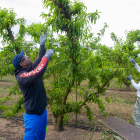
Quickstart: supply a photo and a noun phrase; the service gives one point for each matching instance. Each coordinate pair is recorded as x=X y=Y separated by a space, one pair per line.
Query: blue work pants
x=35 y=126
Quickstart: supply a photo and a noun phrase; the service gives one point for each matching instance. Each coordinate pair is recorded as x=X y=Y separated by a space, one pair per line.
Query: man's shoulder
x=25 y=70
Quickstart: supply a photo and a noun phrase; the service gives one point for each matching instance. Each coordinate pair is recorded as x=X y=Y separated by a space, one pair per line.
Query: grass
x=4 y=99
x=9 y=78
x=3 y=107
x=5 y=83
x=129 y=102
x=7 y=102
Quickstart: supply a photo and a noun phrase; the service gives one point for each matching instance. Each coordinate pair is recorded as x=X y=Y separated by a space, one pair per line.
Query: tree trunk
x=128 y=87
x=58 y=123
x=78 y=84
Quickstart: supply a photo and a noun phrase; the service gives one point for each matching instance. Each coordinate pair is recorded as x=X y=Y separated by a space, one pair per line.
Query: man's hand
x=129 y=78
x=43 y=39
x=49 y=53
x=132 y=61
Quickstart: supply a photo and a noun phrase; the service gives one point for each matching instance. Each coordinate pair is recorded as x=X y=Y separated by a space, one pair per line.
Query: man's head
x=21 y=61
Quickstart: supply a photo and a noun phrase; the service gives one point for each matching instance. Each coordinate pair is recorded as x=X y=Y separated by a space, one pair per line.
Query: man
x=28 y=76
x=136 y=110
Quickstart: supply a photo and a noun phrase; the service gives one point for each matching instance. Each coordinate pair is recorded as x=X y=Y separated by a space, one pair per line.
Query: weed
x=129 y=102
x=3 y=107
x=106 y=136
x=129 y=119
x=8 y=114
x=4 y=99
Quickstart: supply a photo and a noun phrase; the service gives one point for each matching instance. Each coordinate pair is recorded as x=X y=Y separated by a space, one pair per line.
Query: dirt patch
x=71 y=134
x=14 y=130
x=11 y=129
x=8 y=83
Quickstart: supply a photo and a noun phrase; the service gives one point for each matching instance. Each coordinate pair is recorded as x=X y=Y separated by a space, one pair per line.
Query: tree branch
x=10 y=34
x=49 y=101
x=64 y=99
x=126 y=83
x=74 y=12
x=64 y=10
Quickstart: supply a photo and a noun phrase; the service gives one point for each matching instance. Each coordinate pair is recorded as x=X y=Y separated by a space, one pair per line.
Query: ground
x=13 y=129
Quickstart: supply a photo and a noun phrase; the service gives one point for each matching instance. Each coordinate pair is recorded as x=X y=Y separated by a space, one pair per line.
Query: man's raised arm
x=42 y=50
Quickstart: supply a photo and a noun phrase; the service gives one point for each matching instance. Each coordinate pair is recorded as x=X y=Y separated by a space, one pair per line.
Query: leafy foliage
x=123 y=50
x=12 y=46
x=71 y=64
x=74 y=64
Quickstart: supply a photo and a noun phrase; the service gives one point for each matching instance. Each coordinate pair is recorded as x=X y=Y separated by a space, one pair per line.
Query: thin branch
x=99 y=90
x=67 y=93
x=10 y=34
x=49 y=101
x=64 y=9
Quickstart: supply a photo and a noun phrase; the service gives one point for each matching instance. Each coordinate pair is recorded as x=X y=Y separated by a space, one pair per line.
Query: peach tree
x=12 y=45
x=69 y=65
x=121 y=53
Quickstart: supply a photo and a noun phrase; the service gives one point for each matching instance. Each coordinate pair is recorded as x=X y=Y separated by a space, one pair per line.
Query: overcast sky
x=120 y=15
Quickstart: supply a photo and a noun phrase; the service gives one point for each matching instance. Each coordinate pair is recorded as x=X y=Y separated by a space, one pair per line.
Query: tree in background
x=121 y=53
x=12 y=46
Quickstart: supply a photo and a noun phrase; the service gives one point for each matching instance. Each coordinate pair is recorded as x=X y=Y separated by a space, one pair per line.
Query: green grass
x=8 y=114
x=3 y=107
x=6 y=83
x=4 y=99
x=8 y=78
x=129 y=102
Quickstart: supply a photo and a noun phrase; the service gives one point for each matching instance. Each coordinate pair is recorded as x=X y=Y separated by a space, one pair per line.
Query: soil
x=13 y=129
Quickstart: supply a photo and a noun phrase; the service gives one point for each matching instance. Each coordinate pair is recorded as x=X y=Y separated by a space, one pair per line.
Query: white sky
x=120 y=15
